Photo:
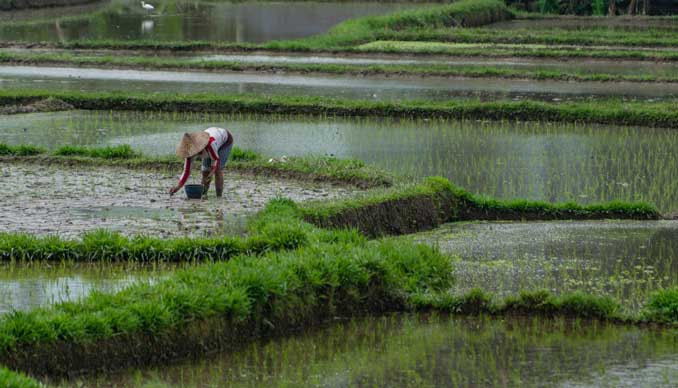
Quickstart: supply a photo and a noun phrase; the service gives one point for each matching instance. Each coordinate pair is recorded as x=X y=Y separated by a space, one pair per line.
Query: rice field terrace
x=419 y=193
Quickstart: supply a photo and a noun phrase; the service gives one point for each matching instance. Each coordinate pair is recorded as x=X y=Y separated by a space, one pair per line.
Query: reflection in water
x=147 y=26
x=205 y=21
x=28 y=285
x=417 y=351
x=541 y=161
x=372 y=88
x=627 y=260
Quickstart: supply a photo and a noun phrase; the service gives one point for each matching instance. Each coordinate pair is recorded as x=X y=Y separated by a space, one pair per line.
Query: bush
x=663 y=306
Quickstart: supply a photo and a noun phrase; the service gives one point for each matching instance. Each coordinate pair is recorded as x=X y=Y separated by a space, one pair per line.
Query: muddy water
x=70 y=201
x=372 y=88
x=203 y=21
x=28 y=285
x=540 y=161
x=627 y=260
x=418 y=351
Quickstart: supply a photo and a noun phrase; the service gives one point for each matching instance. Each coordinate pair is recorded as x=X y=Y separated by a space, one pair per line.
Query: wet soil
x=46 y=105
x=70 y=201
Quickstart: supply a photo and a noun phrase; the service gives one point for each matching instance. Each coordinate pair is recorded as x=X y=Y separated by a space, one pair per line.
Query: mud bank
x=436 y=201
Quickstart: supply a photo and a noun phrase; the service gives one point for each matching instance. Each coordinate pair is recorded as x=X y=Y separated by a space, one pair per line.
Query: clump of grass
x=123 y=151
x=11 y=379
x=240 y=155
x=570 y=304
x=663 y=306
x=103 y=245
x=21 y=150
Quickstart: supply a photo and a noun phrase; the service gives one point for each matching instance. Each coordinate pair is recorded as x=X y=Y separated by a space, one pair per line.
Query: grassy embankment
x=436 y=201
x=612 y=111
x=220 y=305
x=311 y=168
x=420 y=70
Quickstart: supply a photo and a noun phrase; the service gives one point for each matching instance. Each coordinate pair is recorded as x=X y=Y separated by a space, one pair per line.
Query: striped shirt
x=218 y=137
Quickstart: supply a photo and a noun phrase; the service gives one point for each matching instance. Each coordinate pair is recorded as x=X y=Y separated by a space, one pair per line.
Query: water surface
x=24 y=286
x=540 y=161
x=418 y=351
x=378 y=88
x=627 y=260
x=173 y=20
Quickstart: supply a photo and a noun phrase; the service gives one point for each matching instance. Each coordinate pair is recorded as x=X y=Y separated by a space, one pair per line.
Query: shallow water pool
x=432 y=351
x=627 y=260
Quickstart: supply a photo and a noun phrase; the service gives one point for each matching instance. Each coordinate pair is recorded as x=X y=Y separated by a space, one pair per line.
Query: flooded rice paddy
x=538 y=161
x=585 y=66
x=71 y=201
x=28 y=285
x=353 y=87
x=626 y=260
x=432 y=351
x=249 y=21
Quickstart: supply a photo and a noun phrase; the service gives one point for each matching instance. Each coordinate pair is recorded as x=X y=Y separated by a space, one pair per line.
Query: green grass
x=499 y=50
x=547 y=37
x=442 y=70
x=115 y=152
x=663 y=306
x=539 y=302
x=21 y=150
x=612 y=111
x=11 y=379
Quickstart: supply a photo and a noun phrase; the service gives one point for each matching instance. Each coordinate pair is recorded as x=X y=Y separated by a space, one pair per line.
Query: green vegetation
x=414 y=23
x=540 y=302
x=613 y=111
x=313 y=168
x=21 y=150
x=509 y=50
x=117 y=152
x=10 y=379
x=663 y=306
x=436 y=201
x=441 y=70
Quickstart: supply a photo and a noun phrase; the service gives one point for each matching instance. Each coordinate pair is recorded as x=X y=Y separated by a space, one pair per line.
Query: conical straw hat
x=192 y=143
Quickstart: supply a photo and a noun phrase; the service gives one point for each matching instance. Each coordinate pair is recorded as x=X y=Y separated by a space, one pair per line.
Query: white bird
x=147 y=6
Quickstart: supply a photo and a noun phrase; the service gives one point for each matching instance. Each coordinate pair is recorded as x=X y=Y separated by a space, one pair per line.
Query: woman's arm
x=184 y=177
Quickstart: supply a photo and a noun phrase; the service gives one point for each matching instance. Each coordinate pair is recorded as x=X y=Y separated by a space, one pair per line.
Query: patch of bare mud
x=46 y=105
x=70 y=201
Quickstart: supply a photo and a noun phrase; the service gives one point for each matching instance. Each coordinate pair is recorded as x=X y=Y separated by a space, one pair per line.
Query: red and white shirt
x=218 y=137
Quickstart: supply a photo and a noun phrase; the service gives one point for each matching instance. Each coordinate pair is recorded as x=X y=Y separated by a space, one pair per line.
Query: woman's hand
x=173 y=190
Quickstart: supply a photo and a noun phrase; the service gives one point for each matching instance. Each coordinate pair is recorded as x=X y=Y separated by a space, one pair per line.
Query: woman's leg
x=206 y=180
x=219 y=181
